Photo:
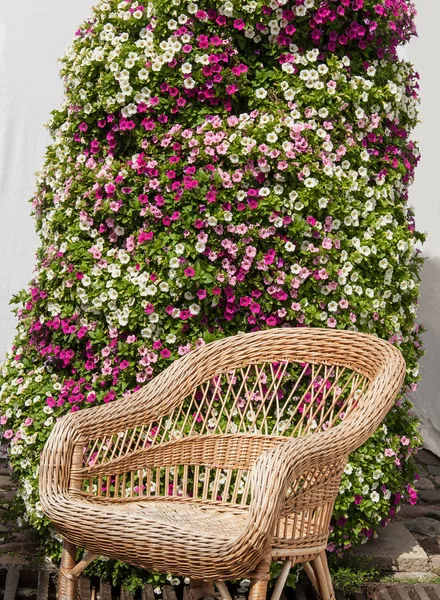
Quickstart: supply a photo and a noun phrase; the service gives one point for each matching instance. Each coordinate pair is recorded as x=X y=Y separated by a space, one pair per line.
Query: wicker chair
x=228 y=460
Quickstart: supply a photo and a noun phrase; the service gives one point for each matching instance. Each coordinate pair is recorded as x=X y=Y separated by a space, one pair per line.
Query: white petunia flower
x=374 y=496
x=287 y=67
x=189 y=83
x=194 y=309
x=310 y=182
x=261 y=93
x=143 y=74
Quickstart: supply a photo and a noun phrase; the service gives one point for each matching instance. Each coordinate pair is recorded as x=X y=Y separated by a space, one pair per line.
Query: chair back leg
x=199 y=589
x=223 y=589
x=319 y=574
x=281 y=581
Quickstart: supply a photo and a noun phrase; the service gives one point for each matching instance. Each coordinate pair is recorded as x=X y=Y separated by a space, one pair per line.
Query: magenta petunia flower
x=239 y=24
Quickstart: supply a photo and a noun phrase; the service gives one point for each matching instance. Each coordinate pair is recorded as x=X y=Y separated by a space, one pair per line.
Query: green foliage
x=350 y=573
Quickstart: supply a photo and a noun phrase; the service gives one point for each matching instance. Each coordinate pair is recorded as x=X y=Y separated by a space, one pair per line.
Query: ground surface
x=409 y=548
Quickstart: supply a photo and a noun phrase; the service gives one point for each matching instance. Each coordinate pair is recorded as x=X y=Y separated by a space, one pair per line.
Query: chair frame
x=293 y=480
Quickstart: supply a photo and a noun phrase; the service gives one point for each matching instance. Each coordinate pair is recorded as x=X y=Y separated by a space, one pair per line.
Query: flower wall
x=219 y=167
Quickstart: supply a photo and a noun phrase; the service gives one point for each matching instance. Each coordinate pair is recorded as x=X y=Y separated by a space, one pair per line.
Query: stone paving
x=17 y=546
x=410 y=546
x=423 y=519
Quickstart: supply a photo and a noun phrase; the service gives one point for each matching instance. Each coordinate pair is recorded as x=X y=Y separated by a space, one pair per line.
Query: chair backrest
x=258 y=389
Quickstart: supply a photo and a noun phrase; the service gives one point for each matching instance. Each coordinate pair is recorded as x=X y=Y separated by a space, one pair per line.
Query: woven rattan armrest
x=276 y=469
x=71 y=433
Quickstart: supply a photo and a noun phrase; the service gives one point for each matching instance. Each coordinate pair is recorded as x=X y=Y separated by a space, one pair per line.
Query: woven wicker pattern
x=230 y=458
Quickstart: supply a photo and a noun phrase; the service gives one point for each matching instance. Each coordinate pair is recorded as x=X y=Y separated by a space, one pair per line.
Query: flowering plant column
x=219 y=167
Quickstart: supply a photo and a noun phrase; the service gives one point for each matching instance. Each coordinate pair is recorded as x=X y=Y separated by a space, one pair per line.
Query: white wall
x=34 y=33
x=425 y=196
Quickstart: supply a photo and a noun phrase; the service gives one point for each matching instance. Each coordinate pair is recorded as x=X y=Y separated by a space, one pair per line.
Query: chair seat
x=189 y=516
x=176 y=537
x=179 y=523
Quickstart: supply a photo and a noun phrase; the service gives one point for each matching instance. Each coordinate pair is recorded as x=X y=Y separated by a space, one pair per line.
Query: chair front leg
x=67 y=586
x=70 y=571
x=260 y=580
x=258 y=590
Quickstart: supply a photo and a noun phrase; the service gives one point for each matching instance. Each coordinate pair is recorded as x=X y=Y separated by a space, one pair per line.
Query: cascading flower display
x=219 y=167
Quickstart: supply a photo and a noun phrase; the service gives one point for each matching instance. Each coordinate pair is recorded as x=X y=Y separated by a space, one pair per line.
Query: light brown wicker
x=229 y=459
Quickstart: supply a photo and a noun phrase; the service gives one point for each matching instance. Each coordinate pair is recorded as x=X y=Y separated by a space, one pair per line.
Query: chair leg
x=310 y=574
x=281 y=581
x=258 y=590
x=223 y=589
x=198 y=590
x=67 y=588
x=319 y=575
x=260 y=580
